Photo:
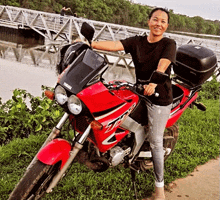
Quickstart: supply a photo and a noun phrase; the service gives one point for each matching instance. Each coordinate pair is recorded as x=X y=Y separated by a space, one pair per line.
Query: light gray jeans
x=157 y=116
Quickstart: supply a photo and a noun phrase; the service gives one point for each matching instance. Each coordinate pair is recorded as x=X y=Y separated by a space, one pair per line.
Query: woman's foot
x=158 y=195
x=154 y=198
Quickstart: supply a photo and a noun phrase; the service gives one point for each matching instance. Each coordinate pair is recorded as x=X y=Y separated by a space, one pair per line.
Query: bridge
x=59 y=30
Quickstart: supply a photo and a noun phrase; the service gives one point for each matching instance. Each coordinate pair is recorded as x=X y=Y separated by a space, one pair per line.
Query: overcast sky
x=207 y=9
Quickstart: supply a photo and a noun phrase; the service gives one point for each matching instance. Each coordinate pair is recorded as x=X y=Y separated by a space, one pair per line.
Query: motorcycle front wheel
x=35 y=181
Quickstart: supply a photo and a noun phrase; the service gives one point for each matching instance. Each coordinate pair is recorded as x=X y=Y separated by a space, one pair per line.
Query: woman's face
x=158 y=23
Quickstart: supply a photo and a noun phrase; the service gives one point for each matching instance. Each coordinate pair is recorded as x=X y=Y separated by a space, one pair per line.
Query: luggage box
x=194 y=64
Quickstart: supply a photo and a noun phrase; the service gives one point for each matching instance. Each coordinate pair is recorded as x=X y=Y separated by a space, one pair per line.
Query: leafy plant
x=25 y=114
x=210 y=89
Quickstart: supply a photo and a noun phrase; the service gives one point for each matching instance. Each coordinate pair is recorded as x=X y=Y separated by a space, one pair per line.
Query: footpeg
x=145 y=154
x=200 y=106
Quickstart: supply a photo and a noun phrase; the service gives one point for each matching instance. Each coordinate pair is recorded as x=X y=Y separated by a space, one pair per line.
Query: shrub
x=210 y=89
x=18 y=120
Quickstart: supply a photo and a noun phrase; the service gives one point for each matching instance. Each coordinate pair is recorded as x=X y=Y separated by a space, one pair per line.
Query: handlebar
x=136 y=88
x=116 y=85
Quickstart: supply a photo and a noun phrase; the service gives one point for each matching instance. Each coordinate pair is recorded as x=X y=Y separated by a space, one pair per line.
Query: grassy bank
x=198 y=143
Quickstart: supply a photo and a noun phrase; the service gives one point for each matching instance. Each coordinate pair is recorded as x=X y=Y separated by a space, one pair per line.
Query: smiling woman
x=150 y=53
x=158 y=23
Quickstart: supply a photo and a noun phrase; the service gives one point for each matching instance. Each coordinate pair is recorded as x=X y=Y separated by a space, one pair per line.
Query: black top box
x=194 y=64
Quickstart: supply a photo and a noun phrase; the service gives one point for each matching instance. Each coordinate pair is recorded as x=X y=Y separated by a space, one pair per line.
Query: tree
x=200 y=24
x=191 y=25
x=119 y=12
x=211 y=29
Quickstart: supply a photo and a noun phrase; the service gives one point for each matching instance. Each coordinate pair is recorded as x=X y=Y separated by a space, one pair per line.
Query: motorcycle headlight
x=60 y=95
x=74 y=105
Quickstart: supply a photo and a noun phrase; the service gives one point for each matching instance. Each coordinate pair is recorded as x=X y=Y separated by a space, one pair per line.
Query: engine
x=117 y=155
x=98 y=162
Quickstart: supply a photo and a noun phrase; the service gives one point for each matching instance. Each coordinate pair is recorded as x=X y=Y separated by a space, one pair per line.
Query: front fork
x=78 y=145
x=55 y=132
x=75 y=150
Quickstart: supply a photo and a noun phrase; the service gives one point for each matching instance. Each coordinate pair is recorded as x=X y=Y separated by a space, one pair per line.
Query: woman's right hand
x=149 y=89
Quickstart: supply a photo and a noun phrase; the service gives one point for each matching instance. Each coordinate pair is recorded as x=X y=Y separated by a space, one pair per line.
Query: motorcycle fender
x=55 y=151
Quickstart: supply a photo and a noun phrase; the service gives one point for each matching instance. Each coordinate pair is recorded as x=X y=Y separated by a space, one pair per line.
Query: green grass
x=198 y=143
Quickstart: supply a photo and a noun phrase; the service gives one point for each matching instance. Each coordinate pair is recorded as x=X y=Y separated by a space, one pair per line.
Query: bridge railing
x=53 y=28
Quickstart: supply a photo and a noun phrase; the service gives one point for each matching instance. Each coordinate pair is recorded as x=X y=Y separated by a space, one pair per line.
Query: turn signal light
x=95 y=125
x=49 y=94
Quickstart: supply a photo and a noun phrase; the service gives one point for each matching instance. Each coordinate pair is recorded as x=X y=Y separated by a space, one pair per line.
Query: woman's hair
x=162 y=9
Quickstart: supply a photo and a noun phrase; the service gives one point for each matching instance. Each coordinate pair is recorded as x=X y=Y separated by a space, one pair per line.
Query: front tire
x=35 y=181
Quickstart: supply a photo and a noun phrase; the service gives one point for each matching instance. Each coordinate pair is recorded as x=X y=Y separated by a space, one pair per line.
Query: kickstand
x=134 y=183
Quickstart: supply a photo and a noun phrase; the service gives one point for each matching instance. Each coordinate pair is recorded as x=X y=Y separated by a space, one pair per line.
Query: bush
x=18 y=120
x=210 y=89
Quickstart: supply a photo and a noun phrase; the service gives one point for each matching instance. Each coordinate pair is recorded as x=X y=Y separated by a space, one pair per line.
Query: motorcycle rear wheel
x=35 y=181
x=170 y=139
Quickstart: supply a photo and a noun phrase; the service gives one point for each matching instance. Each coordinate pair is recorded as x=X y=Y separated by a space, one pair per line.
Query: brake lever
x=139 y=89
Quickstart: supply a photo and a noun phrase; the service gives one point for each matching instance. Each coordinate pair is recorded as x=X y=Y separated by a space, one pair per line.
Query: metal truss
x=63 y=29
x=44 y=56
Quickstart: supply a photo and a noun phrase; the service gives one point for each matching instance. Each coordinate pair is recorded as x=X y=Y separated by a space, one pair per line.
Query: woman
x=149 y=53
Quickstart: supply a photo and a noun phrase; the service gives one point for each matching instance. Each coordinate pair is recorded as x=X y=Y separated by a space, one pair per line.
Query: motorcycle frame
x=122 y=102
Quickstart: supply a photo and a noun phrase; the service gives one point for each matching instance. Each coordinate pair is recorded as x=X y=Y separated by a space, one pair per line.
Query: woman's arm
x=108 y=45
x=162 y=67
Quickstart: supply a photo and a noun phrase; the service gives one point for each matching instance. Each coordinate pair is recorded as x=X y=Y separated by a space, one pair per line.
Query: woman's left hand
x=149 y=89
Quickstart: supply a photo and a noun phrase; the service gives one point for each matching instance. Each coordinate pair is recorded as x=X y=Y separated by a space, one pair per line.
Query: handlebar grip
x=140 y=90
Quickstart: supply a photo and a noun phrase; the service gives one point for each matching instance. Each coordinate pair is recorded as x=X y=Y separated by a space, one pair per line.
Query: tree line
x=121 y=12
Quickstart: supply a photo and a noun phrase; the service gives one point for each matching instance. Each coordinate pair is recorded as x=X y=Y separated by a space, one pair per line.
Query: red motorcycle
x=109 y=118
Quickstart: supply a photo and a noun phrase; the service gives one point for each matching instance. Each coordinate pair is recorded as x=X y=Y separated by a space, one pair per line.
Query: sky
x=207 y=9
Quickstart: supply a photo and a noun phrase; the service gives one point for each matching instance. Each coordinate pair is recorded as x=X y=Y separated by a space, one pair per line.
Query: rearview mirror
x=87 y=31
x=158 y=77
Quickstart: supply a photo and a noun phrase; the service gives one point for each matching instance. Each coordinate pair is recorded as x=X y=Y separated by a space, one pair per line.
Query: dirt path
x=202 y=184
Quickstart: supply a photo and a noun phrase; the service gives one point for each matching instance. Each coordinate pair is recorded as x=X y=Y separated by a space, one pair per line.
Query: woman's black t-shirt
x=146 y=57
